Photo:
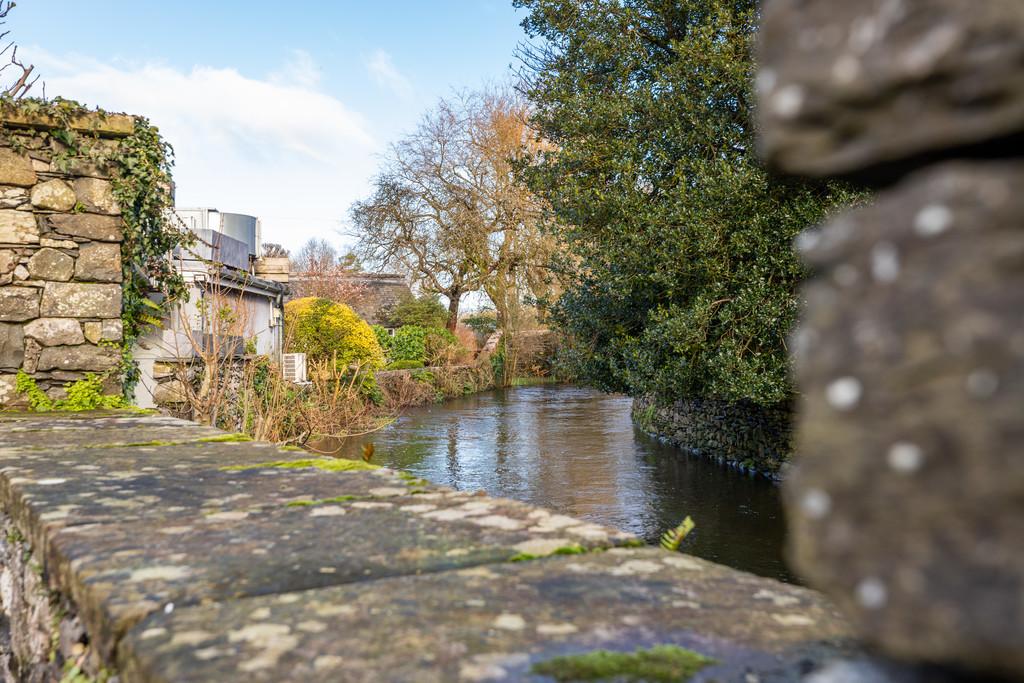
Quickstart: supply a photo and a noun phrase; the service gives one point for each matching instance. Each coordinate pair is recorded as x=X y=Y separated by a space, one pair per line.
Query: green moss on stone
x=325 y=464
x=226 y=438
x=662 y=663
x=292 y=448
x=523 y=557
x=573 y=549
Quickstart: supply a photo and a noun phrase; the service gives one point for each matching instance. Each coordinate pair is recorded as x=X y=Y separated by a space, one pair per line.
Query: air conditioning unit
x=293 y=367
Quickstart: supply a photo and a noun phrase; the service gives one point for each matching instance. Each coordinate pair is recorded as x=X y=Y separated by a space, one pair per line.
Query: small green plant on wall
x=85 y=394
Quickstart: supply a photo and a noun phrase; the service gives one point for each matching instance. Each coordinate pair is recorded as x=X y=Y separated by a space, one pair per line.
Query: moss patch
x=226 y=438
x=574 y=549
x=662 y=663
x=325 y=464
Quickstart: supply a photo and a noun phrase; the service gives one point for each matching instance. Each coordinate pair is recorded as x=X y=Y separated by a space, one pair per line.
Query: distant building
x=220 y=272
x=371 y=295
x=378 y=294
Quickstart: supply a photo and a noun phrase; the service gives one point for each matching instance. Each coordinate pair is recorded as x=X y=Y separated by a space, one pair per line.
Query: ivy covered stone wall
x=60 y=255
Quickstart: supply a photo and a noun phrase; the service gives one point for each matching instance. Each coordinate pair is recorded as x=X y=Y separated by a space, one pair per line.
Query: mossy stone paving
x=494 y=622
x=194 y=555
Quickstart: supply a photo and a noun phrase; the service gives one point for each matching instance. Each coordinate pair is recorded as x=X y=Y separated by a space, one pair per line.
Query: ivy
x=142 y=187
x=141 y=166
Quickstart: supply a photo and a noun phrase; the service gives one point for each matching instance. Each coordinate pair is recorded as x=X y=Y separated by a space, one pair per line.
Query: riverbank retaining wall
x=741 y=435
x=60 y=255
x=148 y=549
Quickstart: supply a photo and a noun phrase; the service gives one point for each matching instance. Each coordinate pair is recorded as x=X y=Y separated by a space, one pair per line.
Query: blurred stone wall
x=60 y=257
x=906 y=501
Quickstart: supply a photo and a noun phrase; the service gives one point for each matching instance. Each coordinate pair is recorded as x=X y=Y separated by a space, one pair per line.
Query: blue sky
x=278 y=109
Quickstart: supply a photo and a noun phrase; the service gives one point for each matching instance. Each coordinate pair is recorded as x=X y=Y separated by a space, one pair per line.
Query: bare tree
x=274 y=250
x=319 y=271
x=447 y=208
x=23 y=75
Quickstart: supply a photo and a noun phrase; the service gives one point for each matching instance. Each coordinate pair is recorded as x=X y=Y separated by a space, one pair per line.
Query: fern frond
x=673 y=538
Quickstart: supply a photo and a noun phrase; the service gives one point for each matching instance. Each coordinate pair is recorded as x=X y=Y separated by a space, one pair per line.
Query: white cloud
x=301 y=69
x=277 y=147
x=384 y=72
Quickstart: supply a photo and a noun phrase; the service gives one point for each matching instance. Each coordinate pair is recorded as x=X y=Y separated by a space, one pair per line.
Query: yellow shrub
x=325 y=330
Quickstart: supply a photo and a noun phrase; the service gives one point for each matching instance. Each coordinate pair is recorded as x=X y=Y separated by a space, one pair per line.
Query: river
x=574 y=450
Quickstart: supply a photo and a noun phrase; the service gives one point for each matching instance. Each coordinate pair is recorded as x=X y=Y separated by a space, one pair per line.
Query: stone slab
x=86 y=357
x=87 y=225
x=18 y=304
x=102 y=124
x=874 y=87
x=12 y=345
x=80 y=300
x=493 y=623
x=125 y=530
x=18 y=227
x=15 y=168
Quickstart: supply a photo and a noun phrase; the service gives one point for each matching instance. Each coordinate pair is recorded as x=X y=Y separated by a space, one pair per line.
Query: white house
x=229 y=309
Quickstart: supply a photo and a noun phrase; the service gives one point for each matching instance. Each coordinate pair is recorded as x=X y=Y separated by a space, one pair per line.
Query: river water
x=574 y=450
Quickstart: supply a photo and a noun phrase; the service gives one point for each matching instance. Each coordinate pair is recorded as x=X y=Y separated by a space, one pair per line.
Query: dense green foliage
x=384 y=339
x=424 y=311
x=328 y=330
x=681 y=274
x=409 y=343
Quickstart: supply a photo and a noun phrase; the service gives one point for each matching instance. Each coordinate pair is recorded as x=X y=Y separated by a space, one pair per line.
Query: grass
x=659 y=664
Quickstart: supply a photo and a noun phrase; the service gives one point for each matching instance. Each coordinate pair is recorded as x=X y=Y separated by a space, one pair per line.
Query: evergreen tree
x=682 y=272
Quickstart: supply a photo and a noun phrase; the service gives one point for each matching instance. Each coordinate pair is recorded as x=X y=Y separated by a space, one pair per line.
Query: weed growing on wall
x=85 y=394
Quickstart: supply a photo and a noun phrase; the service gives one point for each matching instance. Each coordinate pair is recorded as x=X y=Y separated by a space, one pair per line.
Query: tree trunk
x=454 y=299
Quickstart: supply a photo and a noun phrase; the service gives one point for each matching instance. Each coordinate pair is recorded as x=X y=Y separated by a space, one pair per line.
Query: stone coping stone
x=494 y=622
x=874 y=88
x=126 y=529
x=103 y=124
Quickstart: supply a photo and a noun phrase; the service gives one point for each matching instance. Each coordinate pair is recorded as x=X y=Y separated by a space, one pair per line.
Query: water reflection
x=574 y=450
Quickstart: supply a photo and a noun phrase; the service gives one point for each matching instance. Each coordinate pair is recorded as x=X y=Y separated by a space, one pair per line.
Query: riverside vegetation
x=360 y=377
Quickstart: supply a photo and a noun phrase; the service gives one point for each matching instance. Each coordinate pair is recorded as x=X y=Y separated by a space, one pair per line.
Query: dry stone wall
x=907 y=498
x=60 y=258
x=740 y=435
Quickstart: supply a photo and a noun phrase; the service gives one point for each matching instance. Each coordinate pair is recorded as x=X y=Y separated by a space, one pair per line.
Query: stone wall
x=60 y=257
x=906 y=501
x=743 y=435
